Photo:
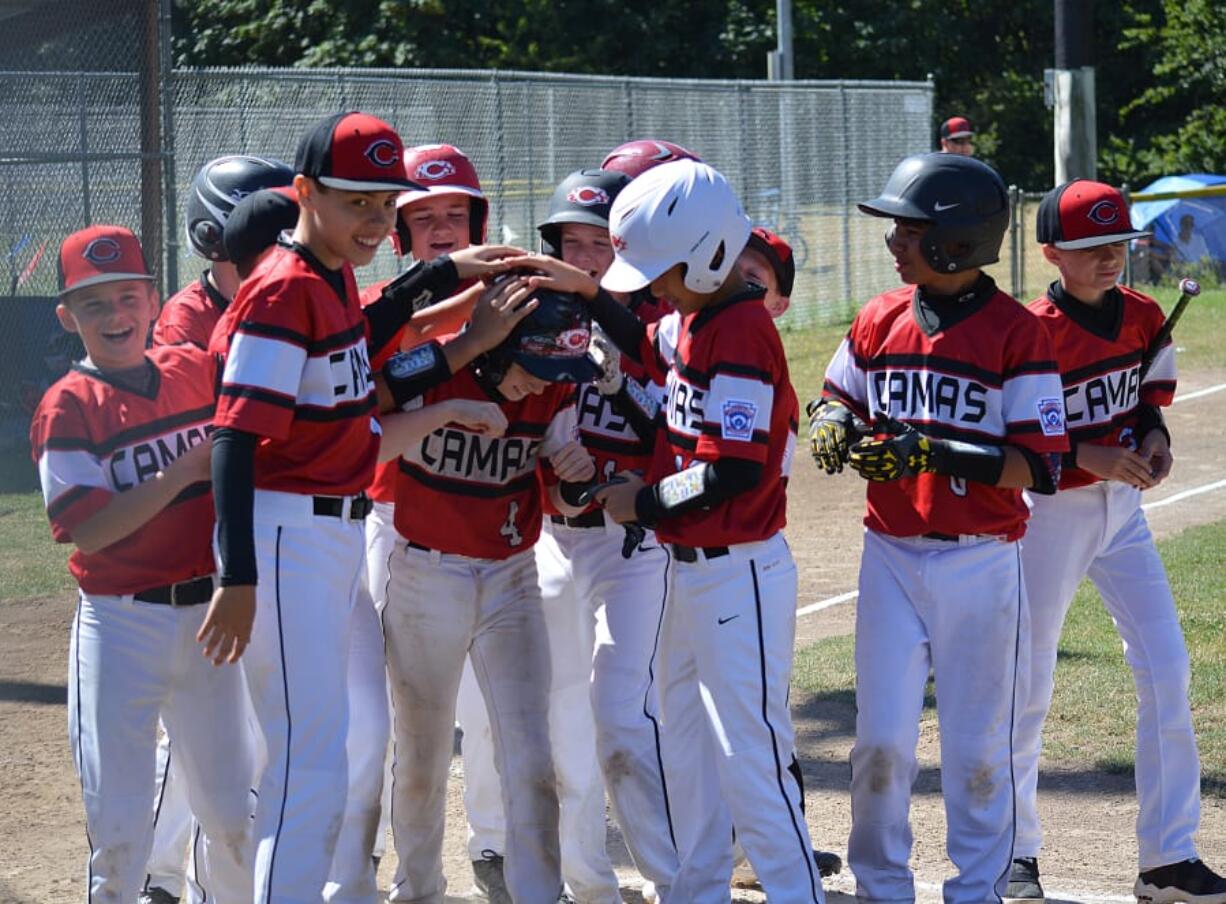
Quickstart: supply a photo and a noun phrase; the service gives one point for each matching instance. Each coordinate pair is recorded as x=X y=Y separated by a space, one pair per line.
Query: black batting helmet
x=550 y=343
x=964 y=199
x=217 y=187
x=585 y=196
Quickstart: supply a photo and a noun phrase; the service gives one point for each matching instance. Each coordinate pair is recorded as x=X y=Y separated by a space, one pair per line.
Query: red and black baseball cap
x=257 y=221
x=354 y=152
x=957 y=127
x=1084 y=214
x=101 y=254
x=778 y=254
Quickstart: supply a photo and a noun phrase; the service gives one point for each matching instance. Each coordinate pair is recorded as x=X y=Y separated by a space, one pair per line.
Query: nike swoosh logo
x=724 y=621
x=938 y=207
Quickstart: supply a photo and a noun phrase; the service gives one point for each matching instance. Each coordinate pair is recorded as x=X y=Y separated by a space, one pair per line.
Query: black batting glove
x=832 y=428
x=900 y=451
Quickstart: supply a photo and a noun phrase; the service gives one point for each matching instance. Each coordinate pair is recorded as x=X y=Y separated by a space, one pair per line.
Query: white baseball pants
x=440 y=609
x=726 y=661
x=172 y=824
x=129 y=663
x=380 y=541
x=957 y=608
x=297 y=668
x=1100 y=531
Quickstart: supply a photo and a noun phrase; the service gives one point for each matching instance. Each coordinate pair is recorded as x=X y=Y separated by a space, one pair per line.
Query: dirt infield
x=1090 y=851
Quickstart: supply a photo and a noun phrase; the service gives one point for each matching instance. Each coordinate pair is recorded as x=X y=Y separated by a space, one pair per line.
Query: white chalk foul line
x=1169 y=500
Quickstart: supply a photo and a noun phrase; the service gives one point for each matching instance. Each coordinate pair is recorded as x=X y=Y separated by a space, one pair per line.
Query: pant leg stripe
x=651 y=683
x=89 y=864
x=157 y=808
x=1017 y=653
x=289 y=725
x=806 y=852
x=204 y=893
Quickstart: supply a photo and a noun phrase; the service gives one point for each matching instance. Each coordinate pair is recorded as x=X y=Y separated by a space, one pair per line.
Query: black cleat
x=828 y=862
x=1024 y=882
x=1189 y=881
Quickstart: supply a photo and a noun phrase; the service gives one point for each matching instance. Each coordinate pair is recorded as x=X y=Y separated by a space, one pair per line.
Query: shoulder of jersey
x=192 y=292
x=1138 y=304
x=887 y=303
x=184 y=356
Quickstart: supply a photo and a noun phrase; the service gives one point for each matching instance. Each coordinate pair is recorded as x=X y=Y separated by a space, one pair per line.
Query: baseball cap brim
x=1094 y=241
x=362 y=185
x=964 y=133
x=419 y=192
x=101 y=278
x=580 y=369
x=623 y=276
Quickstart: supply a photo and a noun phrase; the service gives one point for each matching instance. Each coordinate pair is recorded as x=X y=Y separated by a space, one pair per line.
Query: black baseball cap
x=354 y=152
x=1084 y=214
x=257 y=221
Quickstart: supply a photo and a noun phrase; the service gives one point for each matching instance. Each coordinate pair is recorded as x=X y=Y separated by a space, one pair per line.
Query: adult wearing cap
x=1094 y=527
x=957 y=136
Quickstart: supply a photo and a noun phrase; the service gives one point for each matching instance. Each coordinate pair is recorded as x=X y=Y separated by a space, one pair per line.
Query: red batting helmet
x=441 y=169
x=636 y=157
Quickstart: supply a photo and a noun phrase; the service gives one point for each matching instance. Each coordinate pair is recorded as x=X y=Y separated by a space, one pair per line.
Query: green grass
x=31 y=564
x=1094 y=706
x=809 y=351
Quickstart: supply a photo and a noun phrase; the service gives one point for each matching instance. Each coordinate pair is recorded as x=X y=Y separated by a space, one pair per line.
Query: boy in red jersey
x=715 y=494
x=296 y=446
x=121 y=444
x=962 y=387
x=463 y=584
x=1095 y=527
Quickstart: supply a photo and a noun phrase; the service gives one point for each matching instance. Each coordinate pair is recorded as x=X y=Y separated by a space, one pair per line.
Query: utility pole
x=779 y=62
x=1075 y=133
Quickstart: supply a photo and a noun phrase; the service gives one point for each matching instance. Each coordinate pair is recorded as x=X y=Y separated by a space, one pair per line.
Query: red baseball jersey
x=987 y=377
x=190 y=315
x=298 y=376
x=93 y=438
x=478 y=496
x=727 y=394
x=1099 y=352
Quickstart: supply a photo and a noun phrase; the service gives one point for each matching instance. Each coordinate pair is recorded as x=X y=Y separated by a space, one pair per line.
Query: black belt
x=185 y=593
x=334 y=506
x=690 y=553
x=413 y=545
x=594 y=518
x=948 y=538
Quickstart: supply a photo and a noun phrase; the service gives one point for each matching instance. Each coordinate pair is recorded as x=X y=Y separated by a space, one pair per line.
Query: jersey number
x=509 y=530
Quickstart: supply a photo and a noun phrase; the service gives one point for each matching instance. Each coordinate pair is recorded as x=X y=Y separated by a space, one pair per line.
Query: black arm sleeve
x=698 y=486
x=1149 y=418
x=233 y=464
x=626 y=330
x=417 y=288
x=1045 y=470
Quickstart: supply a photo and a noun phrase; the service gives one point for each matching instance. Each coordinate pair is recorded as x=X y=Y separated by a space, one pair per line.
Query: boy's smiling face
x=345 y=225
x=438 y=225
x=112 y=320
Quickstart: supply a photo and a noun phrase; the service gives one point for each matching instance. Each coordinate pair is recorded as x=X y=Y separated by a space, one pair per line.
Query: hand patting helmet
x=217 y=188
x=550 y=343
x=964 y=199
x=585 y=196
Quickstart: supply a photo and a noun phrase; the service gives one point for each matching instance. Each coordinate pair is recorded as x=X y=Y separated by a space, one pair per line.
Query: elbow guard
x=409 y=374
x=1045 y=469
x=701 y=485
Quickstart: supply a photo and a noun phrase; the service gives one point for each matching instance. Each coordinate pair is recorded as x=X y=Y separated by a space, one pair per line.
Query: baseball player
x=121 y=444
x=960 y=384
x=192 y=313
x=1094 y=527
x=463 y=584
x=767 y=260
x=715 y=495
x=957 y=136
x=295 y=447
x=636 y=157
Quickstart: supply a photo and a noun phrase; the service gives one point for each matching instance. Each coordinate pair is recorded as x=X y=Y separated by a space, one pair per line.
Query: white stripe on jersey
x=844 y=373
x=337 y=377
x=668 y=331
x=460 y=454
x=739 y=405
x=264 y=363
x=62 y=470
x=562 y=429
x=683 y=405
x=1035 y=397
x=1163 y=368
x=789 y=453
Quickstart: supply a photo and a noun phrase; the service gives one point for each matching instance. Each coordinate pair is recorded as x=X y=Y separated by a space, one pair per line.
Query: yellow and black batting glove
x=832 y=428
x=895 y=450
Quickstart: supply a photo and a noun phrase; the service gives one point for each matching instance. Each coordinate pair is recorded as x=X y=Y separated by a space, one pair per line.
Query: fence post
x=1021 y=240
x=1015 y=203
x=83 y=127
x=499 y=149
x=171 y=231
x=844 y=133
x=628 y=94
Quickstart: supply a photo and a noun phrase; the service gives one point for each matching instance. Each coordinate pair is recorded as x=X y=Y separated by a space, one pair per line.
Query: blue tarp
x=1204 y=235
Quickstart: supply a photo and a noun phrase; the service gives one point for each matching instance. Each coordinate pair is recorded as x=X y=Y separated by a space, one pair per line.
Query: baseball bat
x=1188 y=289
